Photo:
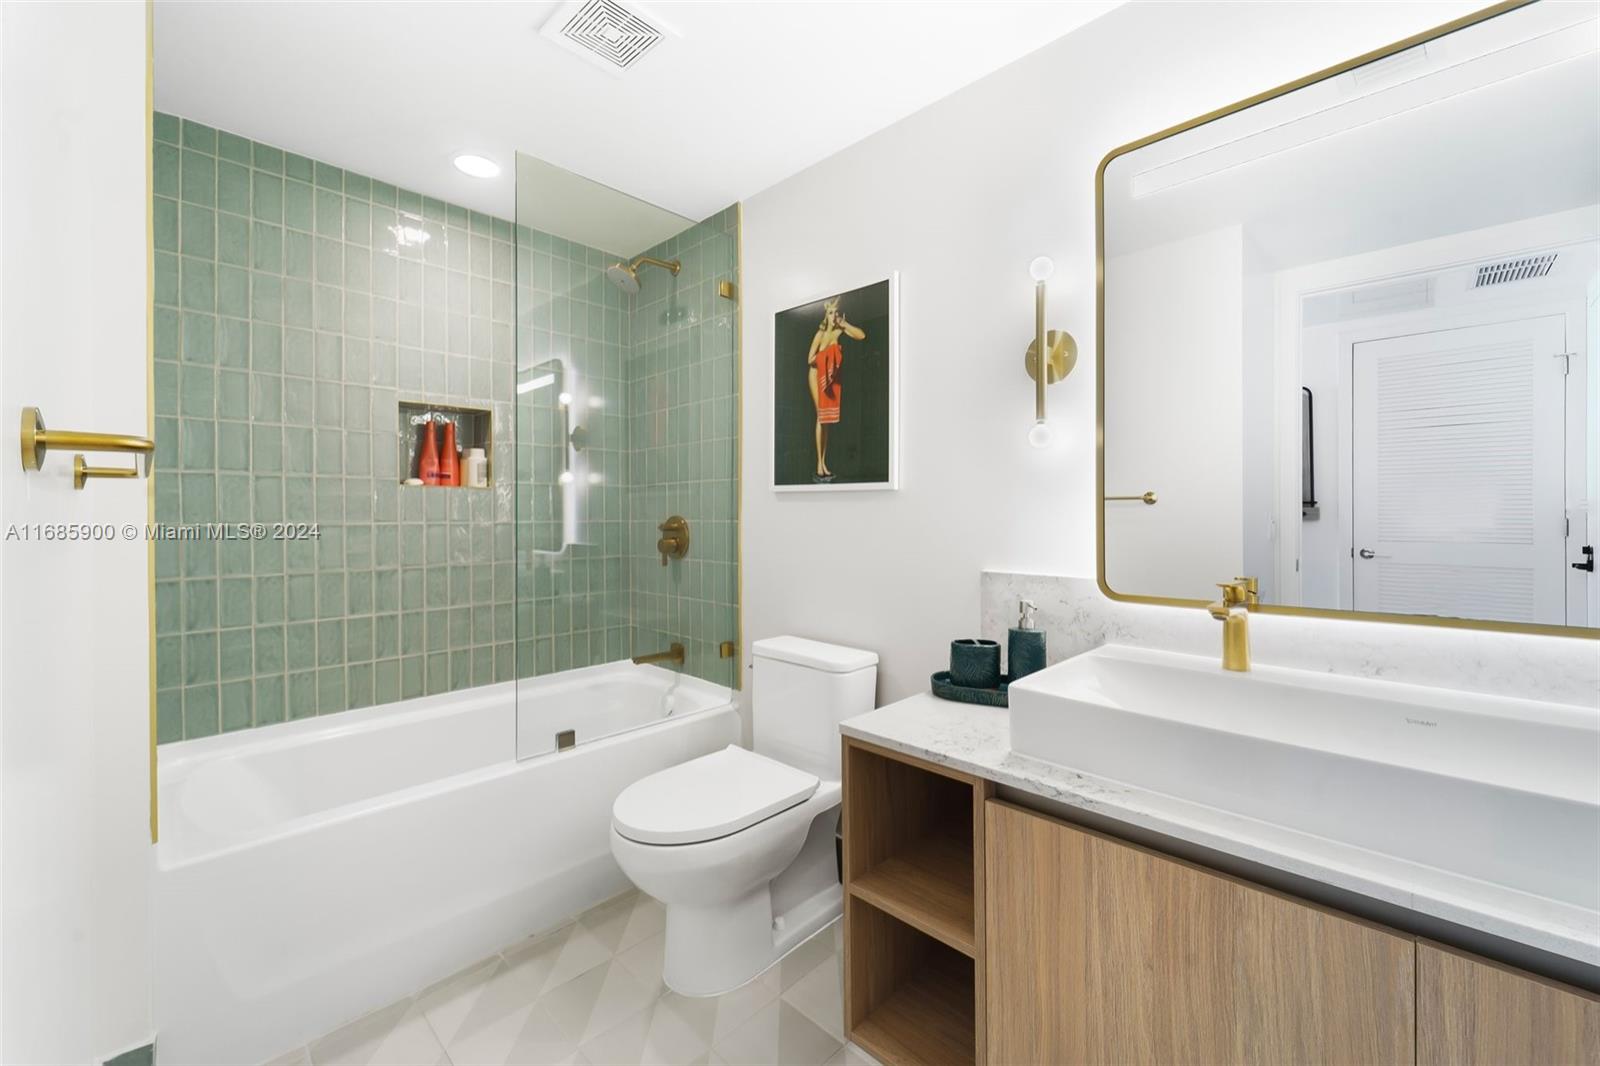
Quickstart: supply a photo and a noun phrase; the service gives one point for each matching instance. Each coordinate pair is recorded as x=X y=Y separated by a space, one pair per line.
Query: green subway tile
x=236 y=700
x=298 y=167
x=298 y=352
x=329 y=177
x=197 y=448
x=298 y=260
x=167 y=293
x=165 y=169
x=297 y=206
x=199 y=137
x=200 y=711
x=233 y=342
x=233 y=240
x=164 y=219
x=197 y=230
x=198 y=284
x=269 y=599
x=331 y=696
x=269 y=699
x=233 y=147
x=266 y=298
x=198 y=179
x=233 y=292
x=266 y=347
x=233 y=443
x=166 y=127
x=233 y=188
x=266 y=397
x=168 y=330
x=300 y=645
x=329 y=214
x=266 y=197
x=233 y=394
x=302 y=595
x=265 y=157
x=302 y=699
x=360 y=682
x=197 y=391
x=266 y=247
x=199 y=652
x=297 y=303
x=236 y=653
x=169 y=716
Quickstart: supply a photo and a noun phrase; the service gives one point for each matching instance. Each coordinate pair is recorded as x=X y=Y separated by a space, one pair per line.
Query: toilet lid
x=709 y=797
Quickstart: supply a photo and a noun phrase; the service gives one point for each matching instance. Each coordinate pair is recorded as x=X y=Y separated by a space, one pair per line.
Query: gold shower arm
x=672 y=265
x=38 y=442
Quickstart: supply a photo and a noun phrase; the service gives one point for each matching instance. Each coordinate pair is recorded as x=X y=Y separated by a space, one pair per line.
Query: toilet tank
x=803 y=689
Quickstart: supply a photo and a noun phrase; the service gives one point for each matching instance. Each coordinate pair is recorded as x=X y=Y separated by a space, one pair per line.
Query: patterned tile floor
x=590 y=992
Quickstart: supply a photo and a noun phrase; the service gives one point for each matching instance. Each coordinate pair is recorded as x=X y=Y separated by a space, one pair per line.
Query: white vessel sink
x=1504 y=791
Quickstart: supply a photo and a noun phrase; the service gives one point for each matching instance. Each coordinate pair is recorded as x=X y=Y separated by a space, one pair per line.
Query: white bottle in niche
x=475 y=470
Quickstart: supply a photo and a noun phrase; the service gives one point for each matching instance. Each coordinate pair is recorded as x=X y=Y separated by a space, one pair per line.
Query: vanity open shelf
x=913 y=873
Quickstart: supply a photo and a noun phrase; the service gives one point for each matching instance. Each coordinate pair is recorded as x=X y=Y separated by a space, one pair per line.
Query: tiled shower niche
x=474 y=428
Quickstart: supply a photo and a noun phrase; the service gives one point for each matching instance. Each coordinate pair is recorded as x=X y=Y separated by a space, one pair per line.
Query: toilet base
x=714 y=950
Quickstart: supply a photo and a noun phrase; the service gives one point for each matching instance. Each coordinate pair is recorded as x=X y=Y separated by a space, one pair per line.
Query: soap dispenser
x=1025 y=644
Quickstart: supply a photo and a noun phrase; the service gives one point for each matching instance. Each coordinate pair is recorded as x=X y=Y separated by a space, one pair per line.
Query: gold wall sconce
x=1061 y=352
x=37 y=442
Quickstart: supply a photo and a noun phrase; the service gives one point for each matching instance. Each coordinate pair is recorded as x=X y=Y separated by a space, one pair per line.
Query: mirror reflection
x=1350 y=337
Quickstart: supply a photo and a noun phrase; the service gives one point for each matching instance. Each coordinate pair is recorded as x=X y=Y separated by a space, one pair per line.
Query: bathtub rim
x=294 y=733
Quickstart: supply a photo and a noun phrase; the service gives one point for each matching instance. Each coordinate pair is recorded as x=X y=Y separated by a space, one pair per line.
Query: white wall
x=958 y=198
x=75 y=848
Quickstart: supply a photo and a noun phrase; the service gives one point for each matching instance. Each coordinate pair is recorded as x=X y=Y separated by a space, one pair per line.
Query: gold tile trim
x=1100 y=350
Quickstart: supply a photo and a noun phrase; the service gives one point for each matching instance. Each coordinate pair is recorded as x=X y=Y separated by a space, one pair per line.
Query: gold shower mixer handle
x=674 y=542
x=37 y=442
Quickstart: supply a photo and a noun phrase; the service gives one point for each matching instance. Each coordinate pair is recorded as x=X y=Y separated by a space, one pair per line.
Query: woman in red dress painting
x=823 y=376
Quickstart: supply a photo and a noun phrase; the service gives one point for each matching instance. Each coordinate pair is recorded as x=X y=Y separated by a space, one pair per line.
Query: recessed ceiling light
x=477 y=166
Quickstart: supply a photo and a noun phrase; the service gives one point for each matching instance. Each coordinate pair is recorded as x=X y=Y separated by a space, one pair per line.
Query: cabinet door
x=1474 y=1011
x=1103 y=952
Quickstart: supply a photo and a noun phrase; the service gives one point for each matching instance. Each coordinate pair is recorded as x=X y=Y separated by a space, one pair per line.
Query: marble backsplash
x=1076 y=616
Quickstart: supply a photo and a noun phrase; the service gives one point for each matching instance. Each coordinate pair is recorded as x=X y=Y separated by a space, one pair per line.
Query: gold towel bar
x=1148 y=498
x=38 y=441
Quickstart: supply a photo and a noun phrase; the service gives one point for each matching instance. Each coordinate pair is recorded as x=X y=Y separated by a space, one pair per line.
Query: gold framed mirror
x=1347 y=337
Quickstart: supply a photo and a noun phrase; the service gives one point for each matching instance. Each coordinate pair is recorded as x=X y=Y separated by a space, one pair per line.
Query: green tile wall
x=295 y=305
x=662 y=441
x=683 y=418
x=573 y=606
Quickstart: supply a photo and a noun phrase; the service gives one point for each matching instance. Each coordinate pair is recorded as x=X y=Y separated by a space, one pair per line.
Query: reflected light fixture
x=1061 y=352
x=477 y=166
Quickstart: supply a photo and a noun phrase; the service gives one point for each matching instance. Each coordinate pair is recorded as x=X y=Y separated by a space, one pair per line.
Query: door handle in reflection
x=1368 y=553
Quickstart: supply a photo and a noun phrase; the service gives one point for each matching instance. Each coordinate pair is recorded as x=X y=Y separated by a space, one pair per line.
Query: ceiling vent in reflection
x=1529 y=266
x=609 y=34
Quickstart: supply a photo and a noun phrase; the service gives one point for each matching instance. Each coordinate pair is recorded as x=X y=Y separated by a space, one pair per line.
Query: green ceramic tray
x=987 y=697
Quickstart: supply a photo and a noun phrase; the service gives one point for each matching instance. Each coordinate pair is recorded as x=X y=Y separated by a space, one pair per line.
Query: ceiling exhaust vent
x=609 y=34
x=1529 y=266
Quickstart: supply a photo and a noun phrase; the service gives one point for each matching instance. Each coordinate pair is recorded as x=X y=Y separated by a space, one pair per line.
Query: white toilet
x=739 y=845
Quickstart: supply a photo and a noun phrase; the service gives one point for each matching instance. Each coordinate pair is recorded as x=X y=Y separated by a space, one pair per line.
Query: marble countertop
x=977 y=740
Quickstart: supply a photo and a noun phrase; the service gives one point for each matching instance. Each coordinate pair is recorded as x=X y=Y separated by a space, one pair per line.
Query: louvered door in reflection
x=1458 y=472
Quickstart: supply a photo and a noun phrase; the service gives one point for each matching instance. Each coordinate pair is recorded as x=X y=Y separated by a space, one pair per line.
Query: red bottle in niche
x=449 y=458
x=428 y=457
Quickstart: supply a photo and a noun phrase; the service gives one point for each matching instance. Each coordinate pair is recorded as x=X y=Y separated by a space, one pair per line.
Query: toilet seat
x=713 y=796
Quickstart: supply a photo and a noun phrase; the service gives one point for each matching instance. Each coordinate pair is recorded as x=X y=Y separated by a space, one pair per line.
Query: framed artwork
x=835 y=391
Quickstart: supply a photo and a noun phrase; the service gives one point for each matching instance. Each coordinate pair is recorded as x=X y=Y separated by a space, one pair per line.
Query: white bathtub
x=312 y=871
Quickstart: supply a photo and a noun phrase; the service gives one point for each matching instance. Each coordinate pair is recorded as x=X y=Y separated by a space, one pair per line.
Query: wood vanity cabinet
x=1101 y=952
x=980 y=931
x=1471 y=1010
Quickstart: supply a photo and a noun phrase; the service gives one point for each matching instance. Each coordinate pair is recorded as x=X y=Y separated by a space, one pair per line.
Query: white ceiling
x=744 y=95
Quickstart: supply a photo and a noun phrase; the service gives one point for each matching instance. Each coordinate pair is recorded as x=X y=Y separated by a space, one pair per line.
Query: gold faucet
x=1233 y=611
x=672 y=655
